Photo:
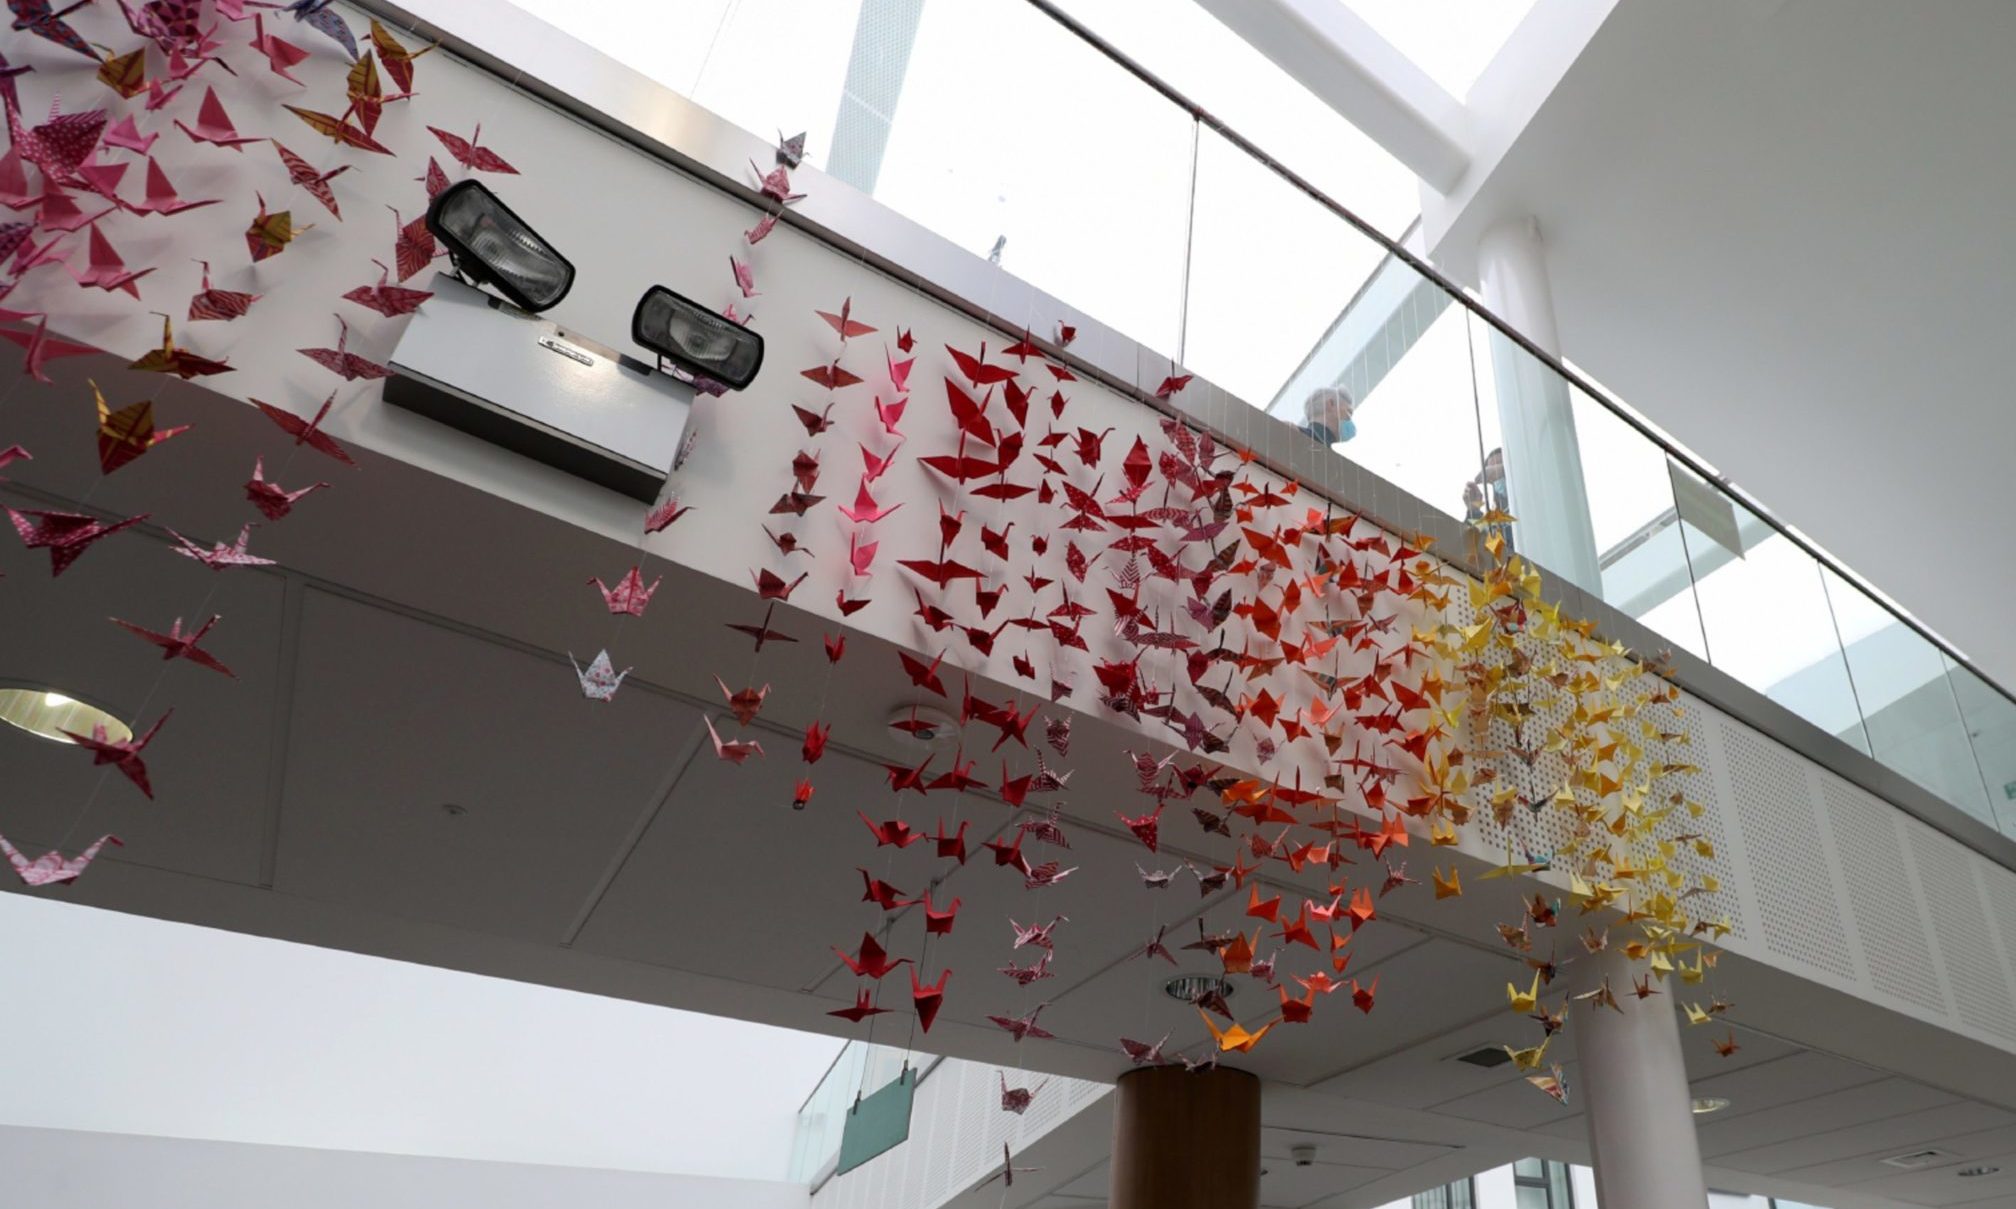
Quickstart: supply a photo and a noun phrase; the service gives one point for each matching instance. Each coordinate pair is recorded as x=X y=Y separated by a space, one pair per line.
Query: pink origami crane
x=52 y=867
x=124 y=754
x=106 y=271
x=734 y=751
x=65 y=534
x=177 y=645
x=162 y=197
x=272 y=501
x=220 y=555
x=43 y=348
x=308 y=432
x=213 y=125
x=340 y=360
x=629 y=596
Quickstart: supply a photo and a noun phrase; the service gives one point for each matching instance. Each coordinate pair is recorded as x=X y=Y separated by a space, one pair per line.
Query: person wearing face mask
x=1327 y=416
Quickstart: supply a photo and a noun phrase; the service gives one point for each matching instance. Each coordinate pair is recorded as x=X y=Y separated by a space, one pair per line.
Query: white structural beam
x=1342 y=60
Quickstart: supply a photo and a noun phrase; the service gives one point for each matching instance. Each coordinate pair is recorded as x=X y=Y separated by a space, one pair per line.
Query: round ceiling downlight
x=48 y=713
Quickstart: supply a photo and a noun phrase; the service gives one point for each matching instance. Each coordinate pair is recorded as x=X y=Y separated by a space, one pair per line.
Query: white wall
x=66 y=1170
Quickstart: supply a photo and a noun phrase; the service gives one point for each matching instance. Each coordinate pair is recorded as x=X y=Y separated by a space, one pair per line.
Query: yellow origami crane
x=1527 y=1059
x=1234 y=1039
x=1523 y=1002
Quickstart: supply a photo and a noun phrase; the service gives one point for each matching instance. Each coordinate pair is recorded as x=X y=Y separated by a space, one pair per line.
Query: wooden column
x=1186 y=1141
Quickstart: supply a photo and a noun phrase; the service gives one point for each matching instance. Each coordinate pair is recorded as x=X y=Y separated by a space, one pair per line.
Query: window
x=1542 y=1184
x=1459 y=1195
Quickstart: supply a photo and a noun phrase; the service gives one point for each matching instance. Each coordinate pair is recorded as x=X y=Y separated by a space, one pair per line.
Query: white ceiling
x=410 y=652
x=1781 y=232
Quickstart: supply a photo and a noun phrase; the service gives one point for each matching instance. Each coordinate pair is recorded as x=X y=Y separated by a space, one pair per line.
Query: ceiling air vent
x=1919 y=1159
x=1488 y=1057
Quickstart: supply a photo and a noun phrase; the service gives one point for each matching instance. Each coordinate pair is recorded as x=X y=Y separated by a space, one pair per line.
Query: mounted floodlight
x=490 y=244
x=696 y=339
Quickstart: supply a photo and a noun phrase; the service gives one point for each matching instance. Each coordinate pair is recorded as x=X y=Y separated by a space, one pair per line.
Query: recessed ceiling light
x=1188 y=988
x=48 y=713
x=454 y=810
x=1707 y=1104
x=1968 y=1173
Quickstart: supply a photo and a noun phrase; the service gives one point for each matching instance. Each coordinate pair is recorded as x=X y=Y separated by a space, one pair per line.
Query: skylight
x=1452 y=40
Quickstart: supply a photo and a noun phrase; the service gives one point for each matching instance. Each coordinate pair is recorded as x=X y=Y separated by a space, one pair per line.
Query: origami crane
x=38 y=18
x=1235 y=1038
x=43 y=348
x=213 y=125
x=1018 y=1099
x=1021 y=1027
x=125 y=434
x=398 y=60
x=744 y=704
x=302 y=173
x=269 y=232
x=177 y=645
x=630 y=598
x=220 y=555
x=272 y=501
x=871 y=960
x=928 y=999
x=600 y=680
x=734 y=752
x=470 y=154
x=161 y=196
x=864 y=1007
x=123 y=754
x=1008 y=1170
x=169 y=359
x=280 y=54
x=322 y=19
x=341 y=361
x=387 y=299
x=308 y=432
x=53 y=868
x=66 y=535
x=212 y=303
x=105 y=270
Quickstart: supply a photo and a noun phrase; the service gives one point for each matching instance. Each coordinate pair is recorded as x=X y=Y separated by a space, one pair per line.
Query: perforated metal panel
x=1792 y=875
x=1889 y=919
x=1975 y=982
x=1726 y=903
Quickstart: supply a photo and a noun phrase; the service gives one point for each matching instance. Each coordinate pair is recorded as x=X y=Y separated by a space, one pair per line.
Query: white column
x=1635 y=1097
x=1543 y=460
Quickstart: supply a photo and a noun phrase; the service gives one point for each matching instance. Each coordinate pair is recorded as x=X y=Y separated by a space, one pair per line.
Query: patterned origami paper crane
x=1024 y=1026
x=315 y=183
x=125 y=434
x=65 y=534
x=53 y=868
x=323 y=20
x=213 y=303
x=269 y=232
x=177 y=645
x=600 y=679
x=629 y=597
x=470 y=153
x=387 y=299
x=398 y=59
x=221 y=555
x=123 y=754
x=39 y=18
x=308 y=432
x=169 y=359
x=340 y=360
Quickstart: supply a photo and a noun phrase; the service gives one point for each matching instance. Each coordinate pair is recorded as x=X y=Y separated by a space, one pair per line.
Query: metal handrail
x=1169 y=92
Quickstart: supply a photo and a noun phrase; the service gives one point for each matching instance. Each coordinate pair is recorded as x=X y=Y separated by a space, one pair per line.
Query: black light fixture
x=696 y=339
x=493 y=246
